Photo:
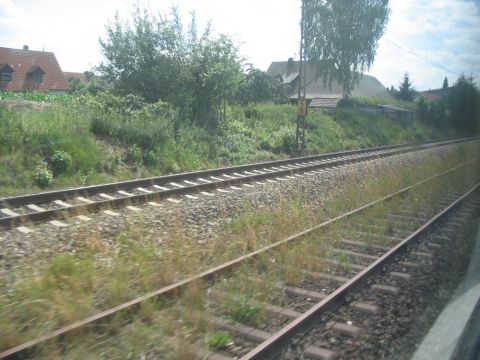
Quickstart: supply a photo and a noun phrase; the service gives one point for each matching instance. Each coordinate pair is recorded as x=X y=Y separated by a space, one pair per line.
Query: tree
x=76 y=85
x=257 y=86
x=341 y=37
x=464 y=105
x=406 y=91
x=445 y=83
x=152 y=56
x=141 y=55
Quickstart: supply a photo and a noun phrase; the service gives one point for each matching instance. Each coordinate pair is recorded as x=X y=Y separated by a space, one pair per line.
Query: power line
x=412 y=52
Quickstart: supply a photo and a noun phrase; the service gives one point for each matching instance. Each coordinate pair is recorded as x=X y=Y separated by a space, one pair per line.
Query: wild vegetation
x=88 y=139
x=458 y=108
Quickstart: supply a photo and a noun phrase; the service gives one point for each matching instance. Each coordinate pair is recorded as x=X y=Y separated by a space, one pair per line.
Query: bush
x=347 y=103
x=114 y=162
x=60 y=162
x=43 y=175
x=134 y=154
x=100 y=126
x=150 y=158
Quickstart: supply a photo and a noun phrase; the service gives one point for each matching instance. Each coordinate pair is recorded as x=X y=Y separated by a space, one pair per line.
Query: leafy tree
x=445 y=83
x=141 y=55
x=154 y=57
x=76 y=85
x=215 y=72
x=464 y=104
x=258 y=86
x=406 y=91
x=341 y=37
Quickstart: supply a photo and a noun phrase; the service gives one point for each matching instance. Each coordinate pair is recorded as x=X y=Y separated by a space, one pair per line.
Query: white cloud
x=11 y=15
x=443 y=35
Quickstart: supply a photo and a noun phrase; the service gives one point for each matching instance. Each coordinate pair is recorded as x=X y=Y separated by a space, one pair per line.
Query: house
x=27 y=70
x=318 y=94
x=433 y=95
x=74 y=75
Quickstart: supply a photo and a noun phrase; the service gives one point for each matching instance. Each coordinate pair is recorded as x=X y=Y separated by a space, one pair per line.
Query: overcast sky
x=430 y=39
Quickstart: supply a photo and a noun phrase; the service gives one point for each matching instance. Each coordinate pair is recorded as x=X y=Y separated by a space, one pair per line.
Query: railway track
x=320 y=281
x=39 y=207
x=354 y=319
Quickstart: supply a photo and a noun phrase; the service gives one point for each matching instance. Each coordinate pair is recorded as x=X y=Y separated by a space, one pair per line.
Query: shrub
x=100 y=126
x=114 y=162
x=347 y=103
x=286 y=142
x=60 y=162
x=134 y=154
x=43 y=175
x=150 y=158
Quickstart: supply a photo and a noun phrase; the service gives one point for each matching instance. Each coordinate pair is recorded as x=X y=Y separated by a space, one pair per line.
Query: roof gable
x=25 y=62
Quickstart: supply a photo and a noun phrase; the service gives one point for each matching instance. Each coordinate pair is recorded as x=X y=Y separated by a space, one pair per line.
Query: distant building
x=74 y=75
x=27 y=70
x=433 y=95
x=318 y=94
x=391 y=111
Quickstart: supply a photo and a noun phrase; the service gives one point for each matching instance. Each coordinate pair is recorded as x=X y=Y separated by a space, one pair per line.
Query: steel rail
x=64 y=194
x=24 y=349
x=273 y=346
x=10 y=222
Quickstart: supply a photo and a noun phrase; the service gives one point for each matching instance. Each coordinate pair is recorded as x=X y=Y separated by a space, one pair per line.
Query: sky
x=429 y=39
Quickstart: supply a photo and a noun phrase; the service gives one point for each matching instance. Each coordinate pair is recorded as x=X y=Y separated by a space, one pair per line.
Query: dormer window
x=6 y=73
x=36 y=75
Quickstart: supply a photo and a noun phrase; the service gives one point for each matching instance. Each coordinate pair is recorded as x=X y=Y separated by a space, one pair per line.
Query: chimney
x=25 y=47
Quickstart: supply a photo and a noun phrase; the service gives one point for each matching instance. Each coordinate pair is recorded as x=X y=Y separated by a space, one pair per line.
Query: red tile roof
x=23 y=62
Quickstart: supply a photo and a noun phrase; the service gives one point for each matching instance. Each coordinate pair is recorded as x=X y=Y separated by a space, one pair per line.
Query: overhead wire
x=414 y=53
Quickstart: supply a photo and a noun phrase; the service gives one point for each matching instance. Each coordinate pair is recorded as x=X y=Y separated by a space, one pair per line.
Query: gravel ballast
x=198 y=219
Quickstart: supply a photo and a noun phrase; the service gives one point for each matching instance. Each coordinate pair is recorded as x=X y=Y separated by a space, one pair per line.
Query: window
x=5 y=73
x=37 y=76
x=6 y=76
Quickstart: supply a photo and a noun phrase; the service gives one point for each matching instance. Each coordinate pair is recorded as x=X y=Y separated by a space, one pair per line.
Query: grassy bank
x=91 y=139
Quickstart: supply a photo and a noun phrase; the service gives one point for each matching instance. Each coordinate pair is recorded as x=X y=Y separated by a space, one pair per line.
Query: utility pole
x=300 y=146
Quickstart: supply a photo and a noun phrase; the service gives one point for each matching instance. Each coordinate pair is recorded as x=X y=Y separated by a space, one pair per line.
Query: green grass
x=219 y=339
x=29 y=137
